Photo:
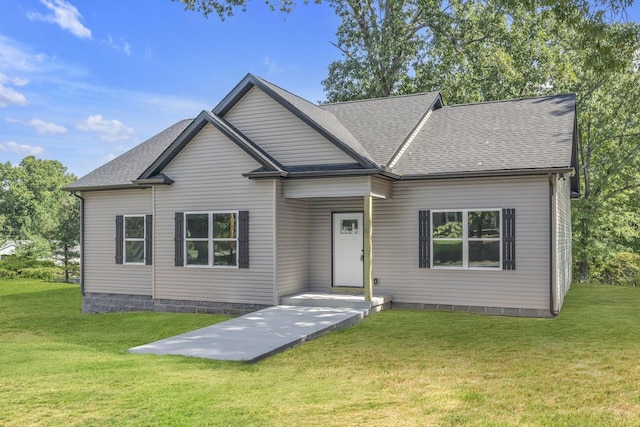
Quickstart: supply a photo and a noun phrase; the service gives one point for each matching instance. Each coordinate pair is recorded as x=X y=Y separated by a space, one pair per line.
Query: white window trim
x=130 y=239
x=465 y=239
x=210 y=239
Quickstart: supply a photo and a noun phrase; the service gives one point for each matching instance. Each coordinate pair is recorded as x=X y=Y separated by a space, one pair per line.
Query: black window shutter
x=119 y=238
x=424 y=260
x=508 y=239
x=148 y=239
x=243 y=239
x=179 y=239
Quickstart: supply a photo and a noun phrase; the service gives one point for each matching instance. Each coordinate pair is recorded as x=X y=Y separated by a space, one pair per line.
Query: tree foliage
x=470 y=50
x=35 y=210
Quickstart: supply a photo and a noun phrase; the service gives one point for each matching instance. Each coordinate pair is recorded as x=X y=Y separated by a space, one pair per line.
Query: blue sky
x=82 y=81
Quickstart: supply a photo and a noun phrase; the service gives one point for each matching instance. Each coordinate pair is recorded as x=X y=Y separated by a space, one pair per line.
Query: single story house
x=462 y=207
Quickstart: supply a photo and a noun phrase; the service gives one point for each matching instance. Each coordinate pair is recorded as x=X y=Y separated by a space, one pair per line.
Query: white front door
x=348 y=249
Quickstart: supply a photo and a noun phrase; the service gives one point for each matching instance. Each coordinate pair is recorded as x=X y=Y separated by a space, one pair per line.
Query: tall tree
x=607 y=218
x=65 y=236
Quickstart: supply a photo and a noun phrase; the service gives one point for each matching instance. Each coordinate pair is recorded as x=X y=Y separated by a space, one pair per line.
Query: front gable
x=281 y=134
x=209 y=154
x=230 y=135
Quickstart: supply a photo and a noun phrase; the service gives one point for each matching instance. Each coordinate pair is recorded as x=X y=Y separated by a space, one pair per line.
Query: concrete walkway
x=257 y=335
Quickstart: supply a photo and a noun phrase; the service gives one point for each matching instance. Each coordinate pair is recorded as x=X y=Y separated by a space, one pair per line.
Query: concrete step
x=338 y=300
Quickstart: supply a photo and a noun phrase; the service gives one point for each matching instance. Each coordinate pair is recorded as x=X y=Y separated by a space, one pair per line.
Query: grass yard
x=59 y=367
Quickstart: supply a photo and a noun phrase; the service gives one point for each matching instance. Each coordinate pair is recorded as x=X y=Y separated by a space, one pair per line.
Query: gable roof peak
x=321 y=120
x=204 y=118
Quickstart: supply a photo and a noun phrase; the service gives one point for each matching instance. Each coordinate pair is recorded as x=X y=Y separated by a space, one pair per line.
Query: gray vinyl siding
x=292 y=244
x=208 y=177
x=281 y=134
x=395 y=256
x=563 y=238
x=395 y=243
x=380 y=187
x=101 y=273
x=320 y=236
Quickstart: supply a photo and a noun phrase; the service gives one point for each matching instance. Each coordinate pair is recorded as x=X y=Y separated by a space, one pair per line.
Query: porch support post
x=368 y=244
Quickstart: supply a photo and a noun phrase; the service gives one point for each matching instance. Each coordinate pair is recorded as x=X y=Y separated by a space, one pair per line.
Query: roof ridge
x=558 y=95
x=285 y=90
x=380 y=98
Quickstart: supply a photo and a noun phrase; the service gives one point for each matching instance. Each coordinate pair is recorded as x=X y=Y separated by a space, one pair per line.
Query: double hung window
x=466 y=239
x=211 y=239
x=134 y=233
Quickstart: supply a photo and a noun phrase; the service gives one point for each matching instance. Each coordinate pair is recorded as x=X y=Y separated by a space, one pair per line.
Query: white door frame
x=353 y=257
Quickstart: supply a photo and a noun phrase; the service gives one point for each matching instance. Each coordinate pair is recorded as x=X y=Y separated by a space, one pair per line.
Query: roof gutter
x=319 y=174
x=81 y=240
x=487 y=174
x=106 y=187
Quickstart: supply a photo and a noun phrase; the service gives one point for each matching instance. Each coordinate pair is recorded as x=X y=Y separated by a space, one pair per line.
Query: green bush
x=16 y=263
x=14 y=266
x=43 y=273
x=8 y=274
x=621 y=268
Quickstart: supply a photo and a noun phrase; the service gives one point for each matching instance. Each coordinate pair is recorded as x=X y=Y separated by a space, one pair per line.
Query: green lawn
x=59 y=367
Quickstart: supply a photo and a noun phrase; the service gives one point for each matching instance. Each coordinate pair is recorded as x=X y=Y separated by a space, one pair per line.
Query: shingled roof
x=121 y=171
x=380 y=125
x=524 y=135
x=520 y=134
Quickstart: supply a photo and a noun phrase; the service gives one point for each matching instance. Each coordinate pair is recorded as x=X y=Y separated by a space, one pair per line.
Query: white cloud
x=65 y=15
x=13 y=56
x=108 y=130
x=119 y=45
x=20 y=81
x=47 y=128
x=272 y=66
x=13 y=147
x=9 y=96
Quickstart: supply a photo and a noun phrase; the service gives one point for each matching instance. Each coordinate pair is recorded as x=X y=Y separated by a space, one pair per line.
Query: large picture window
x=211 y=239
x=466 y=239
x=134 y=234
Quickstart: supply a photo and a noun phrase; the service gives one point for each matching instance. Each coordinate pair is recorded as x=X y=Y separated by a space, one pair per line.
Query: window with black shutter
x=134 y=239
x=212 y=239
x=479 y=239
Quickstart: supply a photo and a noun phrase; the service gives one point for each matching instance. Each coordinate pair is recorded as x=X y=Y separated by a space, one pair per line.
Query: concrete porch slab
x=338 y=300
x=258 y=335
